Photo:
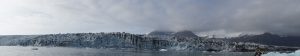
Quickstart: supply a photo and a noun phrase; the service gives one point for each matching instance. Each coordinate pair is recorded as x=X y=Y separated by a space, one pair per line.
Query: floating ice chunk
x=163 y=50
x=296 y=53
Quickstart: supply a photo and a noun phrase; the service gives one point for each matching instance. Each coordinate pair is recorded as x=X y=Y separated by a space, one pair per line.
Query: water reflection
x=64 y=51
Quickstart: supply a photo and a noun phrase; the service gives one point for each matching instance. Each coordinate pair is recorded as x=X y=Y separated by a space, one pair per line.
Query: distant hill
x=185 y=33
x=270 y=39
x=185 y=36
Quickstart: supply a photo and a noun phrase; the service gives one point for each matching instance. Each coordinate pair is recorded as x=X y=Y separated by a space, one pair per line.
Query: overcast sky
x=143 y=16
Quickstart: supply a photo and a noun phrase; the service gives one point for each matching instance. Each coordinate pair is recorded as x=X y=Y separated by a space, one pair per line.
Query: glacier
x=182 y=40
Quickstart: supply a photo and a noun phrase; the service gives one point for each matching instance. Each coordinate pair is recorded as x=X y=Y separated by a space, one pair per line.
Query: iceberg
x=163 y=50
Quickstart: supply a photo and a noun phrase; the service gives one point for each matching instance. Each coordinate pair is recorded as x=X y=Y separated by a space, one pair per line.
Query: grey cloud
x=141 y=16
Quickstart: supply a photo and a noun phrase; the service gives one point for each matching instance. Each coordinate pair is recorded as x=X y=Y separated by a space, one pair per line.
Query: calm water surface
x=64 y=51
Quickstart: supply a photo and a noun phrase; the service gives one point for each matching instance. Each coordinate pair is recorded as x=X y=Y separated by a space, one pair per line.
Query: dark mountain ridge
x=269 y=39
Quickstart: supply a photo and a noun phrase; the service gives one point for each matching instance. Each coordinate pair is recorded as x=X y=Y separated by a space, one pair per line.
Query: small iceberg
x=34 y=49
x=163 y=50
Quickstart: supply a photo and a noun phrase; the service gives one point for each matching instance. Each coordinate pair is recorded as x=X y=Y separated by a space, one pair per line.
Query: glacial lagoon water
x=65 y=51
